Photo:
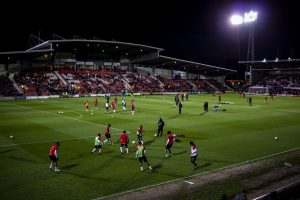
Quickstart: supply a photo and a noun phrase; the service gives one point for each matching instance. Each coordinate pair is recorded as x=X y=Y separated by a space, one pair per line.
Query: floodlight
x=250 y=16
x=236 y=19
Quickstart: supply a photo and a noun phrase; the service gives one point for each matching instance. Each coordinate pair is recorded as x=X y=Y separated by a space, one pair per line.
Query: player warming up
x=139 y=134
x=132 y=105
x=193 y=154
x=98 y=144
x=169 y=144
x=140 y=153
x=53 y=155
x=107 y=134
x=160 y=127
x=124 y=140
x=86 y=105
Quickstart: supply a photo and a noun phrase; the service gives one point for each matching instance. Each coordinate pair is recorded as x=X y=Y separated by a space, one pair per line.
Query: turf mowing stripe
x=203 y=173
x=76 y=119
x=46 y=141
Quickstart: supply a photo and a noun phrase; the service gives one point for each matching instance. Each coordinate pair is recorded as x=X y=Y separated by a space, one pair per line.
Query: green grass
x=236 y=135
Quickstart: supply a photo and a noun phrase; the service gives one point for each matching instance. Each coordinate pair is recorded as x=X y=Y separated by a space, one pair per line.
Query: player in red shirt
x=169 y=144
x=132 y=105
x=107 y=134
x=96 y=103
x=113 y=106
x=53 y=155
x=124 y=141
x=116 y=100
x=139 y=134
x=86 y=104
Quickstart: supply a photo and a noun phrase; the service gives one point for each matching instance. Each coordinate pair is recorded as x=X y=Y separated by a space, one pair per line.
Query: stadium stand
x=84 y=67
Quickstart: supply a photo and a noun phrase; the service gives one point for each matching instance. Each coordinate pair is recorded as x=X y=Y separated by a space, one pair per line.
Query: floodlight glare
x=250 y=16
x=236 y=20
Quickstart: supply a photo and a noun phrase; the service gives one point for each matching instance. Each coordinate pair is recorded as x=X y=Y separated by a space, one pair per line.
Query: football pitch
x=237 y=133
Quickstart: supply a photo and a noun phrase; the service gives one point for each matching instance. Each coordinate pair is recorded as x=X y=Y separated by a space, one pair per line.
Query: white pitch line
x=47 y=141
x=189 y=182
x=68 y=117
x=187 y=177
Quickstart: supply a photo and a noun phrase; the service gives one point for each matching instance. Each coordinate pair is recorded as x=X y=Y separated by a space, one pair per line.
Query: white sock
x=100 y=151
x=126 y=150
x=51 y=165
x=121 y=149
x=94 y=150
x=105 y=140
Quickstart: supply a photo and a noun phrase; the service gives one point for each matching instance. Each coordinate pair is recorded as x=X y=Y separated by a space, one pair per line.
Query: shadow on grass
x=22 y=159
x=85 y=176
x=69 y=166
x=216 y=161
x=157 y=166
x=178 y=153
x=149 y=142
x=6 y=151
x=203 y=165
x=203 y=113
x=175 y=116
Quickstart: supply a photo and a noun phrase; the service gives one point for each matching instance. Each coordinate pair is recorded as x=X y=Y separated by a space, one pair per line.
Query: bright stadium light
x=250 y=16
x=236 y=19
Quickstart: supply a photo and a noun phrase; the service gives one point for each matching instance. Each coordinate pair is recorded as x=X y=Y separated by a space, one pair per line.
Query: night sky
x=193 y=30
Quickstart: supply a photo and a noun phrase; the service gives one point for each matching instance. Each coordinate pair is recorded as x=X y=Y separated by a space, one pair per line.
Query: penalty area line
x=203 y=173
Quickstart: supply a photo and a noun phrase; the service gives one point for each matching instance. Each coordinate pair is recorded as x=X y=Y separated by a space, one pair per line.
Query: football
x=133 y=142
x=275 y=138
x=11 y=137
x=155 y=135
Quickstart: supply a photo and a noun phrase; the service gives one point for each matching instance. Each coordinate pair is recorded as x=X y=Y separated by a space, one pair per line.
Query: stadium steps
x=11 y=77
x=194 y=86
x=61 y=78
x=126 y=84
x=211 y=85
